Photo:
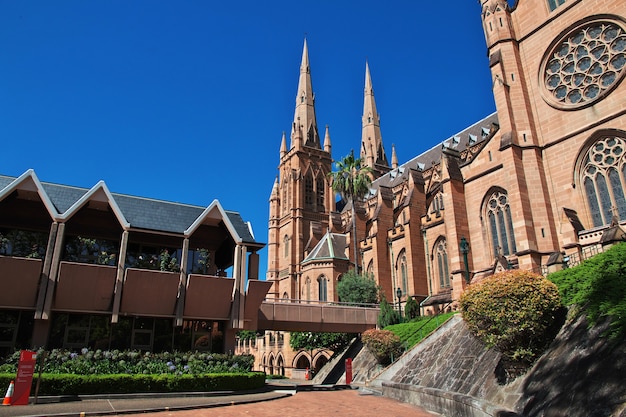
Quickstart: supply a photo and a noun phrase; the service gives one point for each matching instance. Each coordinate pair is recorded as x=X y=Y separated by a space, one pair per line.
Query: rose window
x=585 y=65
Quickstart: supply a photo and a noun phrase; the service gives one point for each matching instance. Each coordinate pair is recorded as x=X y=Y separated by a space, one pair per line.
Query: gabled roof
x=331 y=246
x=62 y=201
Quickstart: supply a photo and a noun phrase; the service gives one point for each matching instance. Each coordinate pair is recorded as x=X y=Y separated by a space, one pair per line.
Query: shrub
x=411 y=309
x=599 y=287
x=88 y=362
x=70 y=384
x=383 y=344
x=513 y=311
x=387 y=315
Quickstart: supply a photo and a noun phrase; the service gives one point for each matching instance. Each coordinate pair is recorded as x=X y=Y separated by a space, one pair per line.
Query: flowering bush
x=513 y=311
x=98 y=362
x=383 y=344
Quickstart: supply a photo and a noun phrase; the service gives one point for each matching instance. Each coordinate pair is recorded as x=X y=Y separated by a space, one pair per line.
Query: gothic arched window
x=323 y=288
x=498 y=214
x=441 y=252
x=402 y=266
x=319 y=188
x=603 y=176
x=308 y=191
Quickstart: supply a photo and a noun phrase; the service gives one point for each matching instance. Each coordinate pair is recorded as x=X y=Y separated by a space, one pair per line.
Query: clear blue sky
x=187 y=100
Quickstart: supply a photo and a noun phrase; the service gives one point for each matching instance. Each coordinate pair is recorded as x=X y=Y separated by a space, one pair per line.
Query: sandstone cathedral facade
x=537 y=185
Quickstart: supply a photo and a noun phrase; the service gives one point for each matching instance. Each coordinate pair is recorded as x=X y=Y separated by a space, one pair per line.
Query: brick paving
x=311 y=403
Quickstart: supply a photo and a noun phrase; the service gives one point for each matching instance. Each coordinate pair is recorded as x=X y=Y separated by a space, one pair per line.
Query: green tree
x=387 y=315
x=411 y=309
x=352 y=181
x=356 y=288
x=319 y=340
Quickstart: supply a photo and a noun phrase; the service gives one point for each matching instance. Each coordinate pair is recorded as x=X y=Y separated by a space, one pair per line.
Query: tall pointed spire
x=327 y=145
x=372 y=150
x=283 y=146
x=394 y=157
x=304 y=130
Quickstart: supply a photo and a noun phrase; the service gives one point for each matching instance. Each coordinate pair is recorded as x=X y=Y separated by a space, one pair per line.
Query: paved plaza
x=282 y=402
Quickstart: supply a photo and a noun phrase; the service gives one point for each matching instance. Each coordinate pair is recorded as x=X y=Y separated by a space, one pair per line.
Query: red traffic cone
x=9 y=395
x=306 y=374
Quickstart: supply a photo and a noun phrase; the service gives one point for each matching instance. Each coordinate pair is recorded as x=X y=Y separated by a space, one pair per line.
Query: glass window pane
x=592 y=199
x=511 y=233
x=618 y=193
x=605 y=198
x=502 y=232
x=494 y=232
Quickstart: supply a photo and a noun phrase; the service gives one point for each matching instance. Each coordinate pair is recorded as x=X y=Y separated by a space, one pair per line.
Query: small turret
x=497 y=24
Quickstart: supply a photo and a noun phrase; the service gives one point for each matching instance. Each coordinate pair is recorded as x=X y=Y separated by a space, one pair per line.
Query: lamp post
x=399 y=295
x=465 y=248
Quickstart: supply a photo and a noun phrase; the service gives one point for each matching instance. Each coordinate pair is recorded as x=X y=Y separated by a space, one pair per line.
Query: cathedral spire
x=283 y=146
x=327 y=145
x=304 y=129
x=394 y=157
x=372 y=150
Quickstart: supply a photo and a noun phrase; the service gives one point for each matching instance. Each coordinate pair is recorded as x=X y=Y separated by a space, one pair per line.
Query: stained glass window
x=603 y=176
x=585 y=64
x=500 y=224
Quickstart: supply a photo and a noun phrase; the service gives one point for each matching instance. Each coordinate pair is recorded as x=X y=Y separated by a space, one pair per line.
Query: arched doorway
x=319 y=362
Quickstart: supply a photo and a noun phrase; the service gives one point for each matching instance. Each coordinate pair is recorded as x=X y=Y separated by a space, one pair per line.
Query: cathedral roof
x=470 y=136
x=331 y=246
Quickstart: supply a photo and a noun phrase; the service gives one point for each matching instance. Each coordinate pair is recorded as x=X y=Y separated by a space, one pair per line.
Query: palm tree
x=352 y=181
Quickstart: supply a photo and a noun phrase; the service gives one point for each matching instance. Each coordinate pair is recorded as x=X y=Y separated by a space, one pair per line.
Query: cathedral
x=537 y=185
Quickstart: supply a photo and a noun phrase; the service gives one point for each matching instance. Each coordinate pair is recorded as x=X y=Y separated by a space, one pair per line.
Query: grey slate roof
x=468 y=137
x=331 y=246
x=140 y=212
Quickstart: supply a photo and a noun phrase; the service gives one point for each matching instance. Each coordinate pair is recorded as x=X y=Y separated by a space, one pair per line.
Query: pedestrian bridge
x=315 y=316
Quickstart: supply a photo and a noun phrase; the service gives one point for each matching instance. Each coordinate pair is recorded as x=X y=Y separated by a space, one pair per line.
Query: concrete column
x=239 y=269
x=182 y=285
x=119 y=280
x=253 y=266
x=54 y=271
x=45 y=271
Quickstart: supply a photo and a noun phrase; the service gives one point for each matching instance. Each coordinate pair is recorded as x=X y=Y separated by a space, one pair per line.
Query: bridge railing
x=312 y=315
x=272 y=300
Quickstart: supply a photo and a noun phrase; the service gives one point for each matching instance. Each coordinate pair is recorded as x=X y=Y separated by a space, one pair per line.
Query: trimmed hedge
x=383 y=344
x=513 y=311
x=70 y=384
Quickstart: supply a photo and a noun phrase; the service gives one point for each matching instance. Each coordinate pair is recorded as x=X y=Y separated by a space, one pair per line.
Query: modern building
x=536 y=185
x=90 y=268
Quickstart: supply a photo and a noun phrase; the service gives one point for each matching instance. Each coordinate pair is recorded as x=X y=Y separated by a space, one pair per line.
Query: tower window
x=319 y=186
x=308 y=191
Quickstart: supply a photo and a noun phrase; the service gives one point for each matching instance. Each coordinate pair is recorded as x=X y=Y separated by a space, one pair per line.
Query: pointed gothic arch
x=496 y=212
x=322 y=287
x=600 y=172
x=440 y=257
x=402 y=267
